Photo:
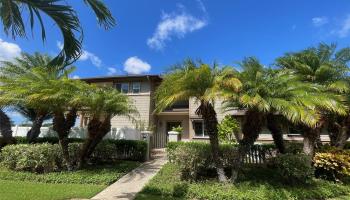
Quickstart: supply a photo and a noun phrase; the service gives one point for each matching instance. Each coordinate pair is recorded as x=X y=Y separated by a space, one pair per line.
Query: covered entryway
x=165 y=122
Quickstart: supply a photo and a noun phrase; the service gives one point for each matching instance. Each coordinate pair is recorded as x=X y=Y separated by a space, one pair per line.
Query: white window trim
x=121 y=88
x=139 y=87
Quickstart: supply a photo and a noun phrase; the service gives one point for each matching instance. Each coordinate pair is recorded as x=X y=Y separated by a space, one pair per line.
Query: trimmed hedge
x=48 y=157
x=109 y=148
x=39 y=158
x=51 y=140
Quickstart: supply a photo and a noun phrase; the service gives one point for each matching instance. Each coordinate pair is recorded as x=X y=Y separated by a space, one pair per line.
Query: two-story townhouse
x=141 y=88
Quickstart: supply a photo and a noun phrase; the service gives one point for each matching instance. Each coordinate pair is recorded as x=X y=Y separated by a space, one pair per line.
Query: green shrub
x=294 y=168
x=121 y=150
x=35 y=157
x=347 y=145
x=195 y=158
x=191 y=160
x=332 y=164
x=294 y=147
x=51 y=140
x=47 y=157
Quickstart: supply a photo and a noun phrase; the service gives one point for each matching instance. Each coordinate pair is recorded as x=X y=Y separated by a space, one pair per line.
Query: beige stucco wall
x=142 y=104
x=142 y=101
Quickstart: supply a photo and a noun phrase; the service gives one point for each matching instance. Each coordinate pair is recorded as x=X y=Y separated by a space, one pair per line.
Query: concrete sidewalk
x=129 y=185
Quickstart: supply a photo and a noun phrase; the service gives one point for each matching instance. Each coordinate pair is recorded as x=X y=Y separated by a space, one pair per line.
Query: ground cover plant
x=102 y=174
x=255 y=184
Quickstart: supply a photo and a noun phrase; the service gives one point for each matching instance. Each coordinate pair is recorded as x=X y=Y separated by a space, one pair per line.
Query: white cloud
x=112 y=70
x=86 y=55
x=95 y=60
x=76 y=77
x=134 y=65
x=175 y=24
x=8 y=50
x=345 y=28
x=319 y=21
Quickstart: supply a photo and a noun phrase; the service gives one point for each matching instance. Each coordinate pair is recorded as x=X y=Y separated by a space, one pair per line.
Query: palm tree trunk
x=97 y=129
x=105 y=128
x=34 y=132
x=342 y=137
x=334 y=129
x=62 y=125
x=5 y=129
x=310 y=139
x=210 y=125
x=309 y=144
x=251 y=128
x=273 y=124
x=311 y=136
x=339 y=132
x=93 y=131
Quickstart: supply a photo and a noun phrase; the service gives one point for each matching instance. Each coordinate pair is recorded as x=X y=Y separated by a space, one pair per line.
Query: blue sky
x=152 y=35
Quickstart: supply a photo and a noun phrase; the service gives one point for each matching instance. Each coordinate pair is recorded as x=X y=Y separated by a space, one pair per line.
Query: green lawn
x=24 y=190
x=83 y=183
x=255 y=184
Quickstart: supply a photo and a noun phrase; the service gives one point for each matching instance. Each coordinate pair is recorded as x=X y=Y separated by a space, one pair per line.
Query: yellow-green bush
x=332 y=164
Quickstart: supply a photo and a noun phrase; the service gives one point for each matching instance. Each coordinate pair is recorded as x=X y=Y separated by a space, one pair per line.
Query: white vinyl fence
x=78 y=132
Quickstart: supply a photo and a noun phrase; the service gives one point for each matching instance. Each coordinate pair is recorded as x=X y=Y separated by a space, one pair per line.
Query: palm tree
x=326 y=66
x=203 y=83
x=47 y=90
x=37 y=119
x=268 y=96
x=19 y=67
x=5 y=128
x=102 y=104
x=63 y=15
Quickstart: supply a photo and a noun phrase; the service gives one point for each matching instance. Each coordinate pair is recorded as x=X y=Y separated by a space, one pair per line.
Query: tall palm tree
x=63 y=15
x=102 y=104
x=48 y=90
x=326 y=66
x=20 y=67
x=203 y=83
x=268 y=96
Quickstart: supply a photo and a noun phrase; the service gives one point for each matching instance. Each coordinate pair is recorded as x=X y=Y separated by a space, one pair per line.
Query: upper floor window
x=136 y=87
x=122 y=87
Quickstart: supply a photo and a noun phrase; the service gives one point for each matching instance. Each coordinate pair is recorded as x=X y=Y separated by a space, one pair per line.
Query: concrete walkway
x=129 y=185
